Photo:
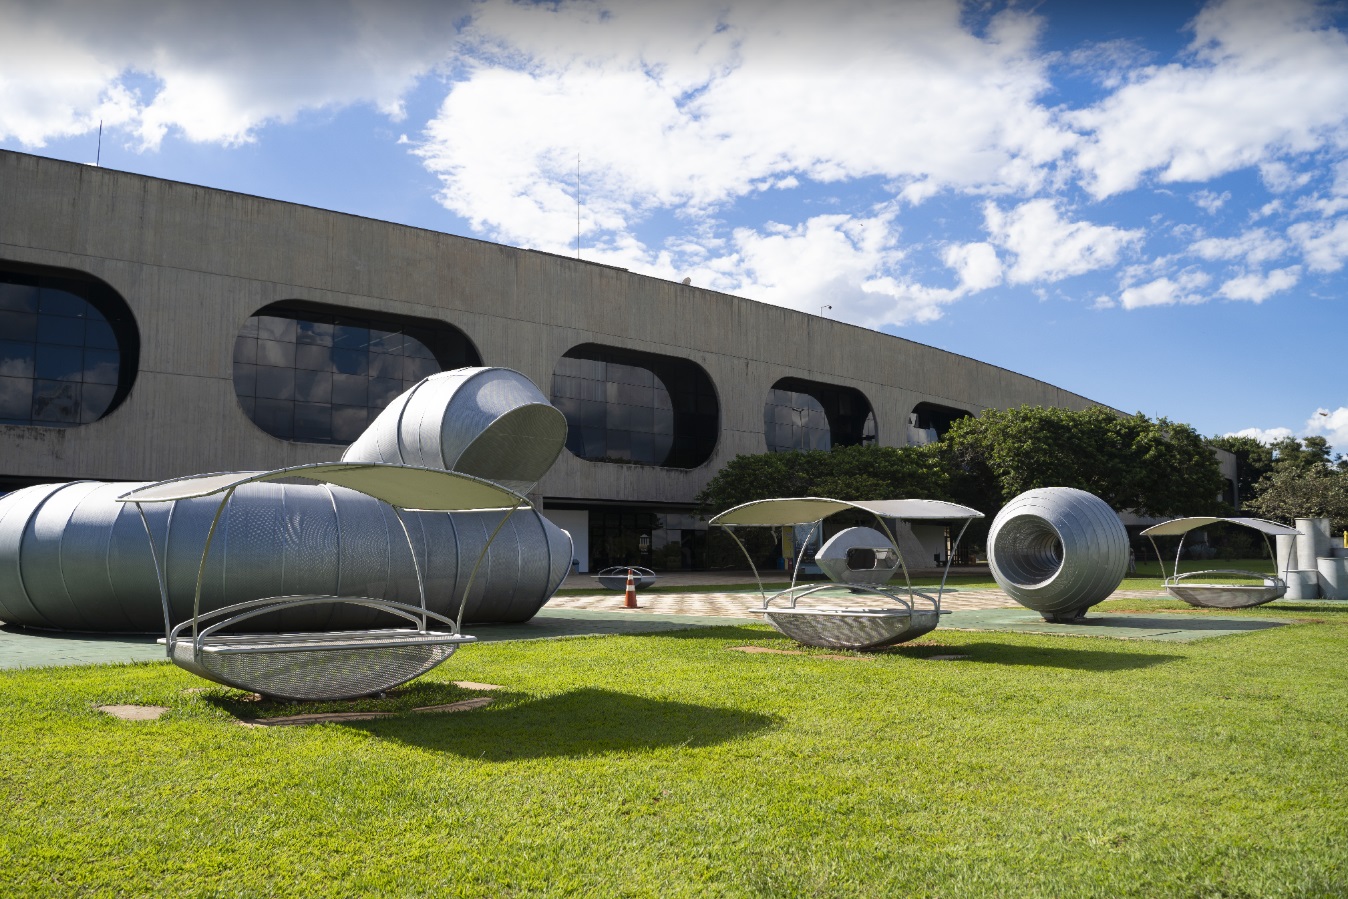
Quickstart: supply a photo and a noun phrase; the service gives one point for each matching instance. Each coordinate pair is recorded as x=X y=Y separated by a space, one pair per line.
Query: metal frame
x=850 y=628
x=209 y=646
x=1271 y=587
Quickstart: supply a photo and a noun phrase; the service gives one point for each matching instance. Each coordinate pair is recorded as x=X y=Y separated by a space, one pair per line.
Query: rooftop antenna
x=98 y=157
x=577 y=205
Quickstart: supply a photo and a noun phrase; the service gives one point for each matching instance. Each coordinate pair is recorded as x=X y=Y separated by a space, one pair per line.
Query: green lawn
x=667 y=765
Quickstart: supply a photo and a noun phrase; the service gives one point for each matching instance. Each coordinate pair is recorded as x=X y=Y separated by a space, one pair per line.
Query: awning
x=1185 y=525
x=806 y=509
x=415 y=489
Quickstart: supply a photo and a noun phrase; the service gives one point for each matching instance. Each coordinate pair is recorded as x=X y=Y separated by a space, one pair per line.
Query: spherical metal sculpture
x=1058 y=551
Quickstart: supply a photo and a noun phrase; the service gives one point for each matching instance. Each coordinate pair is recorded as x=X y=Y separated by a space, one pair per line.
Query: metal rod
x=908 y=581
x=1159 y=561
x=948 y=559
x=795 y=572
x=416 y=566
x=463 y=603
x=159 y=576
x=201 y=570
x=762 y=594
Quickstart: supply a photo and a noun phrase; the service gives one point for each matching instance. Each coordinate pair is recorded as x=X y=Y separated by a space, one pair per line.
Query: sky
x=1145 y=203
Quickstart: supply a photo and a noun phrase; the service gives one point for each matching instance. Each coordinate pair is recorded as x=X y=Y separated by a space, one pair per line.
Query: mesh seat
x=857 y=629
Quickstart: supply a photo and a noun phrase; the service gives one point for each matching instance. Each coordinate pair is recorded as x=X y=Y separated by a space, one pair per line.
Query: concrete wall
x=193 y=264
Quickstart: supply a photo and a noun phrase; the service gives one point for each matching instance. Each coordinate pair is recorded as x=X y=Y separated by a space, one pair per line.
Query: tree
x=845 y=472
x=1154 y=467
x=1253 y=461
x=1291 y=492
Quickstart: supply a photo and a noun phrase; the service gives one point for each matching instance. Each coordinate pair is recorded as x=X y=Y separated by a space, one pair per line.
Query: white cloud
x=208 y=71
x=1257 y=288
x=1331 y=425
x=1049 y=248
x=1210 y=202
x=1264 y=79
x=1325 y=245
x=1265 y=436
x=1166 y=291
x=1254 y=247
x=976 y=264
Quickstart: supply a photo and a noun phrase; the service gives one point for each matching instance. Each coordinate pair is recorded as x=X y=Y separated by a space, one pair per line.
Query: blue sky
x=1145 y=203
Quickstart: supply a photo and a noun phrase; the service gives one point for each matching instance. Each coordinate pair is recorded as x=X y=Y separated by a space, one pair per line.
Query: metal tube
x=463 y=603
x=416 y=566
x=762 y=594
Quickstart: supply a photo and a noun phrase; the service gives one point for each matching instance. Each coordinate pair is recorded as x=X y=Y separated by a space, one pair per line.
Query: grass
x=667 y=765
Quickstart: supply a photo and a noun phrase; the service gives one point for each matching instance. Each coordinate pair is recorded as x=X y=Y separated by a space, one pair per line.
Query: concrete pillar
x=1333 y=577
x=1285 y=545
x=1303 y=585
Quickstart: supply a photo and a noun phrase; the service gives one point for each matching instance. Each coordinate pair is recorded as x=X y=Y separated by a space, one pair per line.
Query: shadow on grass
x=576 y=723
x=416 y=694
x=1040 y=656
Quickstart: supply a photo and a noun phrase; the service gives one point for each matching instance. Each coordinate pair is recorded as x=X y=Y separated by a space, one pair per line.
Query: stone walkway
x=741 y=605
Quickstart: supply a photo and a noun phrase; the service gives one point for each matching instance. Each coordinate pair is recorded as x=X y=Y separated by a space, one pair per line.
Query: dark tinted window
x=644 y=408
x=807 y=415
x=320 y=374
x=68 y=347
x=928 y=422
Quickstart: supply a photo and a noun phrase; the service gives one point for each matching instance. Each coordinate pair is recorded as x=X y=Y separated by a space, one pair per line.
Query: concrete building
x=150 y=329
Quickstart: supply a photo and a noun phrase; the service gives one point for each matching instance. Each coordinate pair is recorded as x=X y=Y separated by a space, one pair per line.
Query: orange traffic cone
x=630 y=600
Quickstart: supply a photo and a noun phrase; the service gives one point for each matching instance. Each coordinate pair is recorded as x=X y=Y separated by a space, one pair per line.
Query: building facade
x=151 y=329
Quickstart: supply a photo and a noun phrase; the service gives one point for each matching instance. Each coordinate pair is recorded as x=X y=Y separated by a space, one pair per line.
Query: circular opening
x=1028 y=551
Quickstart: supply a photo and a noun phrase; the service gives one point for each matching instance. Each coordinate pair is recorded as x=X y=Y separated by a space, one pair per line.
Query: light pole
x=822 y=309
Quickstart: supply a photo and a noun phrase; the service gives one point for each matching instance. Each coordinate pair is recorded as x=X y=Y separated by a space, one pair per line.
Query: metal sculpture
x=858 y=556
x=327 y=665
x=1058 y=551
x=615 y=577
x=74 y=558
x=914 y=612
x=1220 y=596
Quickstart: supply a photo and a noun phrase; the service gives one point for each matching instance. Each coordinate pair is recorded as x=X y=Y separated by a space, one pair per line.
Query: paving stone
x=134 y=712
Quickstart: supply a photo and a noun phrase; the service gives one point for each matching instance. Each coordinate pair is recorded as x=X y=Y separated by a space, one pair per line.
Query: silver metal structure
x=914 y=612
x=73 y=558
x=1221 y=596
x=310 y=665
x=491 y=423
x=1058 y=551
x=615 y=577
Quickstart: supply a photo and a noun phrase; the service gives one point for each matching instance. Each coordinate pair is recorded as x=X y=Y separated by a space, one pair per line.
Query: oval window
x=808 y=415
x=317 y=374
x=69 y=347
x=637 y=408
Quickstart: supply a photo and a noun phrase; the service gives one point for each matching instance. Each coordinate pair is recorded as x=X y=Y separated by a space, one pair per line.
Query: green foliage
x=668 y=765
x=846 y=472
x=1253 y=461
x=1154 y=467
x=1294 y=492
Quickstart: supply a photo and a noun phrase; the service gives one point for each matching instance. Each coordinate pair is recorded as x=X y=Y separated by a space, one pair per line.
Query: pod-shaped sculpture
x=858 y=556
x=73 y=558
x=1058 y=551
x=491 y=423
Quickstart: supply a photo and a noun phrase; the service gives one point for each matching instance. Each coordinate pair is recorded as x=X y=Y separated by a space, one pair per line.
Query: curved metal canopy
x=414 y=489
x=1184 y=525
x=806 y=509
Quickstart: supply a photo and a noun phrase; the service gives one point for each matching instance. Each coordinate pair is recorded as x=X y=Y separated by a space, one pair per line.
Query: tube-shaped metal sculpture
x=491 y=423
x=1058 y=551
x=73 y=558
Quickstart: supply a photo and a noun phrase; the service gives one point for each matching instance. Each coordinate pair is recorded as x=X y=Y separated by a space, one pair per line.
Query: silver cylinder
x=491 y=423
x=1332 y=577
x=1313 y=542
x=1303 y=585
x=73 y=558
x=1285 y=546
x=1058 y=551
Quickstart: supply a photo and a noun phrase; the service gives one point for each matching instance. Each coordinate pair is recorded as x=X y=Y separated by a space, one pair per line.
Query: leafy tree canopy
x=1155 y=467
x=1253 y=461
x=845 y=472
x=1290 y=493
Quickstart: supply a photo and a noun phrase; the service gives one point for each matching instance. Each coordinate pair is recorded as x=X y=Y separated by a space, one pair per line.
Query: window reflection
x=624 y=406
x=806 y=415
x=61 y=362
x=320 y=375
